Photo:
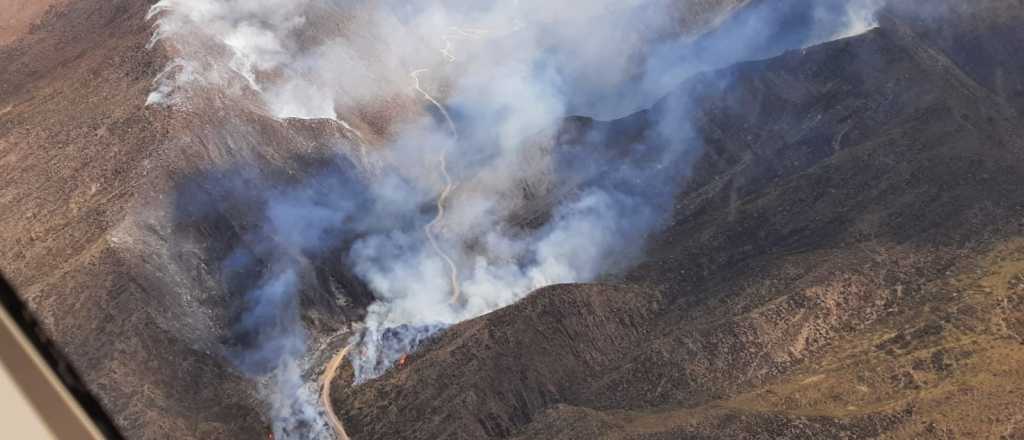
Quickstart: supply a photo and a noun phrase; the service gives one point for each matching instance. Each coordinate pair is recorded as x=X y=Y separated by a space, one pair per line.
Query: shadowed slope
x=815 y=281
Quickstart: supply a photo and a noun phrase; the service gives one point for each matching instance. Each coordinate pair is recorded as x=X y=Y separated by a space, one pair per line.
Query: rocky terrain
x=845 y=259
x=844 y=263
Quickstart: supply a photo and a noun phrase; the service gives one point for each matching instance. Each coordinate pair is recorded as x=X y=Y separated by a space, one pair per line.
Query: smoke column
x=470 y=191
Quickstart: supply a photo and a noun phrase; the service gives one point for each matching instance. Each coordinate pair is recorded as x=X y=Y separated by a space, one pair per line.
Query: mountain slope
x=852 y=224
x=78 y=150
x=844 y=262
x=135 y=294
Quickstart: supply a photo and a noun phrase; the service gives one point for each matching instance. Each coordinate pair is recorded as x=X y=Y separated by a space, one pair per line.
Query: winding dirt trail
x=416 y=85
x=325 y=392
x=454 y=33
x=442 y=200
x=331 y=370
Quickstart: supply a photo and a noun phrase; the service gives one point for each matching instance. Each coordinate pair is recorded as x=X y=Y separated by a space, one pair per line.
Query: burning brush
x=382 y=349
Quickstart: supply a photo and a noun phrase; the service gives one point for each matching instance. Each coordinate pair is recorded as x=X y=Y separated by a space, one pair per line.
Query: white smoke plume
x=472 y=201
x=860 y=17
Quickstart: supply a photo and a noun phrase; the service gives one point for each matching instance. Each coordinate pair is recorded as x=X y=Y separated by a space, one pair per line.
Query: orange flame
x=402 y=360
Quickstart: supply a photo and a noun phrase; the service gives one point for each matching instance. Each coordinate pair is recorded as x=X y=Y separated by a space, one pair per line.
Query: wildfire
x=402 y=360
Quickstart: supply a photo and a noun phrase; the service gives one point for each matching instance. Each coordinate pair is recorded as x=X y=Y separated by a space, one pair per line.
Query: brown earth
x=845 y=262
x=78 y=150
x=131 y=292
x=20 y=15
x=85 y=171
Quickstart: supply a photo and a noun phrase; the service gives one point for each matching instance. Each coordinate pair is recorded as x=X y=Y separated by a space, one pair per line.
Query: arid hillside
x=98 y=233
x=19 y=17
x=78 y=153
x=846 y=262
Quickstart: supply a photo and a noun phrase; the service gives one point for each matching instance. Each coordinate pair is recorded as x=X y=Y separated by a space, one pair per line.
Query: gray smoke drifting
x=473 y=196
x=264 y=274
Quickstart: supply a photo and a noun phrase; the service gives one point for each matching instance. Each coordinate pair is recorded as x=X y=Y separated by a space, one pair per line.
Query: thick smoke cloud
x=471 y=200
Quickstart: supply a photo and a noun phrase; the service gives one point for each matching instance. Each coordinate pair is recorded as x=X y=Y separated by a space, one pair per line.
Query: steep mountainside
x=78 y=149
x=87 y=173
x=846 y=259
x=134 y=294
x=845 y=262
